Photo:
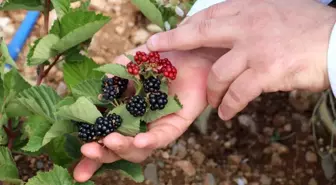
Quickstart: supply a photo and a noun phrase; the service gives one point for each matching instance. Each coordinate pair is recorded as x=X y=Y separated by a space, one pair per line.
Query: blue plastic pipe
x=22 y=34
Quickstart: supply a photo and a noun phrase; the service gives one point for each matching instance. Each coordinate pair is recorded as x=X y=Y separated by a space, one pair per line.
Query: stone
x=265 y=180
x=151 y=173
x=198 y=157
x=140 y=36
x=187 y=167
x=311 y=157
x=288 y=127
x=153 y=28
x=276 y=160
x=209 y=179
x=279 y=148
x=165 y=155
x=61 y=89
x=120 y=30
x=312 y=181
x=247 y=121
x=234 y=159
x=180 y=151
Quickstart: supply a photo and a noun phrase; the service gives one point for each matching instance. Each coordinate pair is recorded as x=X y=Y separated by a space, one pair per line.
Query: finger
x=97 y=152
x=162 y=133
x=221 y=32
x=85 y=169
x=123 y=147
x=223 y=73
x=227 y=8
x=244 y=89
x=124 y=60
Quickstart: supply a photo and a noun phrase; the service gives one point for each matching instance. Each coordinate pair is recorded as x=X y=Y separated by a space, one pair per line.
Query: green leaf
x=3 y=137
x=89 y=89
x=5 y=54
x=21 y=4
x=116 y=70
x=40 y=100
x=57 y=176
x=66 y=101
x=9 y=172
x=59 y=128
x=130 y=57
x=131 y=170
x=14 y=82
x=172 y=106
x=76 y=72
x=85 y=5
x=83 y=110
x=64 y=150
x=55 y=28
x=130 y=125
x=36 y=128
x=150 y=11
x=42 y=50
x=15 y=109
x=77 y=27
x=61 y=6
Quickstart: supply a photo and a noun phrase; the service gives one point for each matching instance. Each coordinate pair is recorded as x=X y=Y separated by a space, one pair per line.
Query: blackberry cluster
x=158 y=100
x=102 y=127
x=137 y=106
x=113 y=87
x=151 y=84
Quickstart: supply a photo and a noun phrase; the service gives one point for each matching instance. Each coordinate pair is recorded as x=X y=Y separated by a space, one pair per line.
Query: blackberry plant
x=37 y=120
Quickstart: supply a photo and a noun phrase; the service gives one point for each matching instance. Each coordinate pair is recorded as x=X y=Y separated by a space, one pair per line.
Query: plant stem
x=10 y=134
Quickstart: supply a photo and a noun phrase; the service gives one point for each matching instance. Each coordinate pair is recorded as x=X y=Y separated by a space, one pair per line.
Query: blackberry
x=113 y=87
x=102 y=127
x=137 y=106
x=152 y=84
x=158 y=100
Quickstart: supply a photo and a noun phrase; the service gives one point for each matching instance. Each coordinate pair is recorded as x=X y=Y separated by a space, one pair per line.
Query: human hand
x=190 y=86
x=275 y=46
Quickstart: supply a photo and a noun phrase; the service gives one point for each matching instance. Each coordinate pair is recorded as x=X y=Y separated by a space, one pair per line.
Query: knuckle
x=204 y=27
x=212 y=11
x=217 y=74
x=233 y=98
x=171 y=36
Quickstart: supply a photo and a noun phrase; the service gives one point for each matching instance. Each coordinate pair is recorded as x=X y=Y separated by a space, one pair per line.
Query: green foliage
x=41 y=119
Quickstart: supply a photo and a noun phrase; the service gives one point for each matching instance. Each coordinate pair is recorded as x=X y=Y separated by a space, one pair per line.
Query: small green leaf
x=130 y=125
x=172 y=106
x=131 y=170
x=116 y=70
x=57 y=176
x=61 y=6
x=164 y=86
x=14 y=82
x=84 y=5
x=42 y=50
x=59 y=128
x=66 y=101
x=21 y=4
x=77 y=27
x=9 y=172
x=83 y=110
x=15 y=109
x=40 y=100
x=36 y=128
x=64 y=150
x=130 y=57
x=76 y=72
x=5 y=54
x=150 y=11
x=89 y=89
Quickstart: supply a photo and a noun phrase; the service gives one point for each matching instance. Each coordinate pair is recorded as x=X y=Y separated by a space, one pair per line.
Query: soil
x=268 y=143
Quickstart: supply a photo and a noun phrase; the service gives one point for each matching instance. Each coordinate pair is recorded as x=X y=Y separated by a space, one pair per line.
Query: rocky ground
x=269 y=143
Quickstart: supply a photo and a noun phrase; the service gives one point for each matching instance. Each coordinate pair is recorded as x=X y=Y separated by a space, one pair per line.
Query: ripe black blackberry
x=137 y=106
x=113 y=87
x=121 y=83
x=158 y=100
x=152 y=84
x=102 y=127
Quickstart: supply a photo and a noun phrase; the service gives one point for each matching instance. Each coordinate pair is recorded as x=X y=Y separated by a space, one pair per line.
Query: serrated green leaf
x=83 y=110
x=116 y=70
x=57 y=176
x=64 y=150
x=55 y=28
x=61 y=6
x=40 y=100
x=66 y=101
x=9 y=173
x=15 y=109
x=164 y=87
x=85 y=5
x=3 y=137
x=130 y=125
x=172 y=106
x=59 y=128
x=36 y=128
x=150 y=11
x=21 y=4
x=14 y=82
x=77 y=27
x=131 y=170
x=76 y=72
x=42 y=50
x=89 y=89
x=5 y=54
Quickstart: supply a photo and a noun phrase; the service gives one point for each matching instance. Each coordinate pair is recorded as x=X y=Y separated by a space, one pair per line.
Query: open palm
x=190 y=86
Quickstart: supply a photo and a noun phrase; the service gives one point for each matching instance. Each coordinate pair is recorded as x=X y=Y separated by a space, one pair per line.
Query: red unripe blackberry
x=133 y=68
x=158 y=100
x=137 y=106
x=151 y=84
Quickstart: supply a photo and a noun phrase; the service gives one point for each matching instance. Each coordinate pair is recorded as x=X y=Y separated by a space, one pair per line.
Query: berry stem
x=43 y=73
x=116 y=102
x=10 y=134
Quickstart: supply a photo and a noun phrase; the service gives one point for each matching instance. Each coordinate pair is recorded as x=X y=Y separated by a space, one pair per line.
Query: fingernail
x=221 y=112
x=152 y=42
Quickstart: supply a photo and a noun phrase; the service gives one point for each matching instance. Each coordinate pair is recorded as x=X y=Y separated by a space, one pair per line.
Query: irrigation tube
x=22 y=34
